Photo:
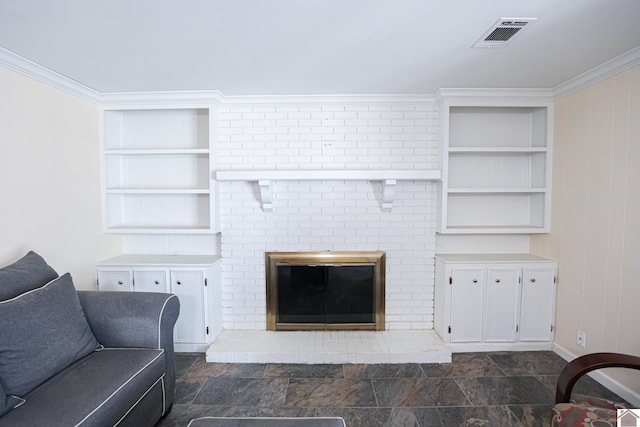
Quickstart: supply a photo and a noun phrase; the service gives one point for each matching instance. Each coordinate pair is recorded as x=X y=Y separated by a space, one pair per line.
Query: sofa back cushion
x=29 y=272
x=42 y=331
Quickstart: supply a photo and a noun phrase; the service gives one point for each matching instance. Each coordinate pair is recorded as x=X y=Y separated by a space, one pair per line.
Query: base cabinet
x=195 y=280
x=495 y=302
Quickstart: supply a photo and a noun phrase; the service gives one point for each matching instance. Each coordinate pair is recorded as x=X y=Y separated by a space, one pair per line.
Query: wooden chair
x=583 y=410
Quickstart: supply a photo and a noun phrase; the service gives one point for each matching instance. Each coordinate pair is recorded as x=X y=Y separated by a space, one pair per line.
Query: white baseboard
x=621 y=390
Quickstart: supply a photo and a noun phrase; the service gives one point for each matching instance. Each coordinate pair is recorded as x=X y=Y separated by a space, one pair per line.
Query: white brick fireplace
x=328 y=214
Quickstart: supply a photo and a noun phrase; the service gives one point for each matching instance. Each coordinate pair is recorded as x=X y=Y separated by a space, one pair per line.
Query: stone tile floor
x=514 y=389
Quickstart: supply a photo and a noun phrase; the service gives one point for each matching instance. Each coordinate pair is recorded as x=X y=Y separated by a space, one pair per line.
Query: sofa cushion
x=97 y=390
x=7 y=403
x=29 y=272
x=42 y=331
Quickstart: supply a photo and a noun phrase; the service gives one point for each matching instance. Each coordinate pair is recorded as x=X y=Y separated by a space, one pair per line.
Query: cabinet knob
x=157 y=282
x=497 y=280
x=475 y=280
x=179 y=282
x=119 y=282
x=533 y=279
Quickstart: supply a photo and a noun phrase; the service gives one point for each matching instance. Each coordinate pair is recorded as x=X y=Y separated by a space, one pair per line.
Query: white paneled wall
x=328 y=215
x=595 y=222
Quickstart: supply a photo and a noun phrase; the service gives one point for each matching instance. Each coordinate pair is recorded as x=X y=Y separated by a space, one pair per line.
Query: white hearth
x=315 y=347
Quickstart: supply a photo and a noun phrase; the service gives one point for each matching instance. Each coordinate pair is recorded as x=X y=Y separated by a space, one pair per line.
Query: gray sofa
x=71 y=358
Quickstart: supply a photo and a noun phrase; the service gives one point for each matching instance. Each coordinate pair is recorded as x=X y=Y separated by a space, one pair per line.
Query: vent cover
x=503 y=31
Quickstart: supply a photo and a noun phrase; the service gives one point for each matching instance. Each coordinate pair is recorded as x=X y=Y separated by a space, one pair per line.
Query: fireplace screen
x=325 y=290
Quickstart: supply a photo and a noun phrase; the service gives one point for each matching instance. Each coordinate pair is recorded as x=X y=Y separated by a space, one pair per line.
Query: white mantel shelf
x=388 y=177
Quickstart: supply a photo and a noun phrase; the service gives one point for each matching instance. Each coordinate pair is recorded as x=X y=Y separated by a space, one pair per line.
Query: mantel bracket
x=388 y=191
x=266 y=194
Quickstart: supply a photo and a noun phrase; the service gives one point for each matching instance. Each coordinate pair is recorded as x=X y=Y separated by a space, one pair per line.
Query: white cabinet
x=157 y=171
x=495 y=301
x=194 y=279
x=496 y=163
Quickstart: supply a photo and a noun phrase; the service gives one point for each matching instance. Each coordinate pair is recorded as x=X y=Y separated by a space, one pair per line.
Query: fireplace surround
x=325 y=290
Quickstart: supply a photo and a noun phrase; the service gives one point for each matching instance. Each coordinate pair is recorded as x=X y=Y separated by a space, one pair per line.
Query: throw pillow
x=29 y=272
x=42 y=332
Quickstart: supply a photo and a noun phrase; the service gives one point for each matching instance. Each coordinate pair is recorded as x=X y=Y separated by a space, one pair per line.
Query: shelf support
x=388 y=191
x=266 y=194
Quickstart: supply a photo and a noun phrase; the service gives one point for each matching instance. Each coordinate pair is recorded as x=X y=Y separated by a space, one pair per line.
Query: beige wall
x=50 y=178
x=595 y=223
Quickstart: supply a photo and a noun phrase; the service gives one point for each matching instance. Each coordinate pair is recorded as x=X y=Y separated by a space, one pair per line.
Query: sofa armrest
x=135 y=320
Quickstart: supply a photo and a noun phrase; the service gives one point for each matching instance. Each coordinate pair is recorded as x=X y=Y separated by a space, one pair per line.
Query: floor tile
x=184 y=361
x=243 y=392
x=187 y=389
x=415 y=392
x=505 y=390
x=464 y=365
x=480 y=416
x=411 y=370
x=533 y=415
x=528 y=362
x=477 y=389
x=373 y=417
x=235 y=370
x=303 y=371
x=325 y=392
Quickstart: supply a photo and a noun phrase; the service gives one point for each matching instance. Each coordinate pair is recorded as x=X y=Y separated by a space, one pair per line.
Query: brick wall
x=328 y=215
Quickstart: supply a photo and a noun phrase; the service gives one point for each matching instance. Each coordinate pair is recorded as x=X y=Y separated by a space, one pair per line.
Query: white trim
x=498 y=97
x=615 y=386
x=603 y=71
x=151 y=100
x=349 y=99
x=45 y=75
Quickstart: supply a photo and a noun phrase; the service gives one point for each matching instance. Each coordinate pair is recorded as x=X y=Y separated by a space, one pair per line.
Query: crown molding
x=608 y=69
x=494 y=97
x=353 y=99
x=182 y=99
x=29 y=68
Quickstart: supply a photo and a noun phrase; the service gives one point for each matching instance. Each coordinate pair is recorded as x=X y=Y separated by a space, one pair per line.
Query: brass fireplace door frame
x=375 y=258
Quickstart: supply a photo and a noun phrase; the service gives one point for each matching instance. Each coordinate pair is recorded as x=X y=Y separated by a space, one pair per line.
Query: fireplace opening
x=325 y=290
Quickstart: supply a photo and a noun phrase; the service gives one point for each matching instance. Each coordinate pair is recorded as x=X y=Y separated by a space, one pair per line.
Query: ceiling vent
x=503 y=31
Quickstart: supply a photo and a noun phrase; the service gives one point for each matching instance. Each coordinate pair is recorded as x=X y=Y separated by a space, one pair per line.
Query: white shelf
x=496 y=163
x=157 y=171
x=389 y=178
x=320 y=175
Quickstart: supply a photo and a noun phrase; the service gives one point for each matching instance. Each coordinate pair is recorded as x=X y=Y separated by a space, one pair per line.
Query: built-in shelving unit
x=157 y=167
x=496 y=164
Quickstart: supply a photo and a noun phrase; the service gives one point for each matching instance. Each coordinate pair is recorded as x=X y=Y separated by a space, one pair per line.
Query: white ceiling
x=300 y=47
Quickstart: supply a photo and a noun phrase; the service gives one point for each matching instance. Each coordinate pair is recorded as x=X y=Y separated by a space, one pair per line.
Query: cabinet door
x=150 y=280
x=537 y=306
x=189 y=286
x=115 y=280
x=467 y=290
x=502 y=304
